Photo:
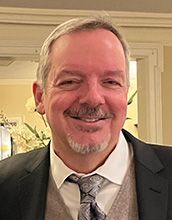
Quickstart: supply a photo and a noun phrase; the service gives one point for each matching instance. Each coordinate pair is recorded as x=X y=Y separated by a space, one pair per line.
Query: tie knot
x=88 y=185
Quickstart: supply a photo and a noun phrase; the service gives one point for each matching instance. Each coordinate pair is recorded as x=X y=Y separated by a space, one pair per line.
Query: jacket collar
x=33 y=185
x=152 y=188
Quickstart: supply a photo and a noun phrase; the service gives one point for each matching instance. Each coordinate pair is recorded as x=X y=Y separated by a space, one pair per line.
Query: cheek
x=57 y=103
x=120 y=112
x=118 y=104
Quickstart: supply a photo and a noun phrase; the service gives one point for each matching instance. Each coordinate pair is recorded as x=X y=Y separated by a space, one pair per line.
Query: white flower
x=25 y=137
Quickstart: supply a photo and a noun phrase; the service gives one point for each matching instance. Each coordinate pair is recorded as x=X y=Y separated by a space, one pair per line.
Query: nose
x=92 y=95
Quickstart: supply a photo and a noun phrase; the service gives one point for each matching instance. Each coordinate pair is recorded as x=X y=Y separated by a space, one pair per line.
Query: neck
x=83 y=163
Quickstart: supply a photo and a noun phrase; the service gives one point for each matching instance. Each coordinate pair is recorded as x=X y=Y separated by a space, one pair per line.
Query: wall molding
x=20 y=50
x=56 y=16
x=154 y=53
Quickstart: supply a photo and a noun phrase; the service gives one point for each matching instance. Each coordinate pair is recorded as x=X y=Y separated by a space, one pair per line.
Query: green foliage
x=132 y=97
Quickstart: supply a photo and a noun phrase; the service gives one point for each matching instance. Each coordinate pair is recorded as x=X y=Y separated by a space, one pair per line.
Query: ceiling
x=157 y=6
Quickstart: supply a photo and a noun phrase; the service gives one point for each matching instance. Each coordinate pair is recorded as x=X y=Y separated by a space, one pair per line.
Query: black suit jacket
x=24 y=178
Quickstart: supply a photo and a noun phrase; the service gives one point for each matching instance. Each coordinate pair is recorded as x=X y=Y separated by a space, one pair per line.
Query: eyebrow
x=114 y=72
x=69 y=73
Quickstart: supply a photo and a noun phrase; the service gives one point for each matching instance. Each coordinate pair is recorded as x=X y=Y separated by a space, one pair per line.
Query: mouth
x=88 y=119
x=88 y=114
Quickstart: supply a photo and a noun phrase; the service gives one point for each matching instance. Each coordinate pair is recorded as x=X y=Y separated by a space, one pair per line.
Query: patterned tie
x=89 y=187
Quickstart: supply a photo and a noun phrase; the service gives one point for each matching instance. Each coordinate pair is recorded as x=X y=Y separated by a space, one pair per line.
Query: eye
x=112 y=83
x=68 y=84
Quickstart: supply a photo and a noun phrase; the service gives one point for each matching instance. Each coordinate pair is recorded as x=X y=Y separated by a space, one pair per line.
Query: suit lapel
x=152 y=189
x=33 y=187
x=152 y=192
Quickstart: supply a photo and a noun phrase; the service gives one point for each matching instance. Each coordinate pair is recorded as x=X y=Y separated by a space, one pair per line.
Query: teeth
x=89 y=119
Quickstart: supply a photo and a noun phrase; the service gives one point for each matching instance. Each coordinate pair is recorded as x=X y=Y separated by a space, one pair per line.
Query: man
x=81 y=87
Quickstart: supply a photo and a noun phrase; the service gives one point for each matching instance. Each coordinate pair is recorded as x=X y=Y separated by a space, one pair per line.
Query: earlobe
x=38 y=95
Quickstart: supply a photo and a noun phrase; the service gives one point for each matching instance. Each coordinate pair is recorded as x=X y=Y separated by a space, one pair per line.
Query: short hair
x=76 y=25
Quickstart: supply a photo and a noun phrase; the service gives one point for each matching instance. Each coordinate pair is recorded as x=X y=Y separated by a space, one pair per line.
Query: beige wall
x=13 y=99
x=167 y=96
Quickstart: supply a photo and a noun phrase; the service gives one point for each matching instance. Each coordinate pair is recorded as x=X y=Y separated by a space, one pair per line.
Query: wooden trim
x=56 y=16
x=154 y=53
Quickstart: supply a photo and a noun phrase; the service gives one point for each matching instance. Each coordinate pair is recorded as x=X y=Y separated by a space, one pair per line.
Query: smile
x=89 y=119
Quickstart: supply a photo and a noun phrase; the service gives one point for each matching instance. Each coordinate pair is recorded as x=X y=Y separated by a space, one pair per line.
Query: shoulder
x=164 y=153
x=130 y=138
x=17 y=165
x=20 y=177
x=143 y=149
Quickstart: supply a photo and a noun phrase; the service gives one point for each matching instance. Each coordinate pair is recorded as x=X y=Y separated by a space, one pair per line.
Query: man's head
x=82 y=86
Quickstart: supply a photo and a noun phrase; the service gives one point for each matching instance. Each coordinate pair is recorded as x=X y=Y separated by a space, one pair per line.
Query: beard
x=85 y=111
x=86 y=148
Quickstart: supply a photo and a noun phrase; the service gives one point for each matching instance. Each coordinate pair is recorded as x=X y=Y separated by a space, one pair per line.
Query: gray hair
x=70 y=26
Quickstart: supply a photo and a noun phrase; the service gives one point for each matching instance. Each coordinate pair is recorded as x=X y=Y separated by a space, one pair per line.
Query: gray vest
x=124 y=206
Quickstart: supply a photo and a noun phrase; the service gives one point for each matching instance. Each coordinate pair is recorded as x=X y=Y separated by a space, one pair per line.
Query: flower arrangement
x=24 y=136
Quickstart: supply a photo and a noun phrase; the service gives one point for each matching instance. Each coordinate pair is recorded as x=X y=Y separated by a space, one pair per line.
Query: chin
x=87 y=148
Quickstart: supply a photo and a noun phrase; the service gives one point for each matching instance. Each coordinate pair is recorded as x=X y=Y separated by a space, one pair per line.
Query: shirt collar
x=113 y=169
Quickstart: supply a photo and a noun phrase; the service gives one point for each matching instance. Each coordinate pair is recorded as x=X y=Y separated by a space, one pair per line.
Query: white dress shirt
x=113 y=170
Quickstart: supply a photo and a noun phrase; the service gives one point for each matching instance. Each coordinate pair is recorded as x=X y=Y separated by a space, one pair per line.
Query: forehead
x=97 y=37
x=89 y=51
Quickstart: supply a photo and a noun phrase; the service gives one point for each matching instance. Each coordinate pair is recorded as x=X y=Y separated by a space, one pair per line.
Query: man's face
x=85 y=99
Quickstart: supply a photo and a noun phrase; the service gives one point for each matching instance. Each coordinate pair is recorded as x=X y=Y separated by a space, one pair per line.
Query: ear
x=38 y=95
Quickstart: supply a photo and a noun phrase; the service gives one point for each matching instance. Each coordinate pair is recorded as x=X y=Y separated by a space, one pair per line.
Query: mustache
x=88 y=111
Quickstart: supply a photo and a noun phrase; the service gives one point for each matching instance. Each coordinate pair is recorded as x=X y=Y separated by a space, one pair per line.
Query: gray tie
x=89 y=187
